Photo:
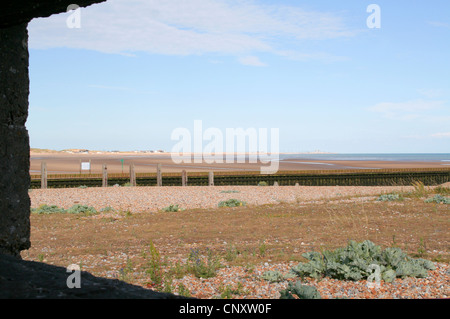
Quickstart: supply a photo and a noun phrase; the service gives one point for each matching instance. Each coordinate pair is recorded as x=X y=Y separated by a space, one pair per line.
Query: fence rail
x=370 y=177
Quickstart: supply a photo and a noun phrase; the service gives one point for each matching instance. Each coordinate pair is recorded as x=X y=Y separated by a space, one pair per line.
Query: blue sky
x=136 y=70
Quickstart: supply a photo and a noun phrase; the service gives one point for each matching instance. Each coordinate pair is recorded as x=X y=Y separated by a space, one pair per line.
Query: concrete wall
x=14 y=141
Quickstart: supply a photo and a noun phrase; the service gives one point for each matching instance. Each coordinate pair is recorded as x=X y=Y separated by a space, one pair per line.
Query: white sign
x=86 y=166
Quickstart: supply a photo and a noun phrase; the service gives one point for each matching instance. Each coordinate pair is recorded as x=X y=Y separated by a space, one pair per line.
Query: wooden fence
x=381 y=177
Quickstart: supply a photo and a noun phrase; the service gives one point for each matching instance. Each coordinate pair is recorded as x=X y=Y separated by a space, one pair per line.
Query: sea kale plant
x=75 y=209
x=389 y=198
x=82 y=209
x=45 y=209
x=301 y=291
x=172 y=208
x=231 y=203
x=439 y=199
x=355 y=261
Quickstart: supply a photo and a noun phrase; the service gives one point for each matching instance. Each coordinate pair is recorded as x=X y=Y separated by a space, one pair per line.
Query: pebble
x=152 y=199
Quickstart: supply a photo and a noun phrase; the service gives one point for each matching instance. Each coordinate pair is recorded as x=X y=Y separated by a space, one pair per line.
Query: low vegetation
x=356 y=261
x=389 y=197
x=75 y=209
x=263 y=183
x=231 y=203
x=438 y=199
x=322 y=239
x=172 y=208
x=299 y=291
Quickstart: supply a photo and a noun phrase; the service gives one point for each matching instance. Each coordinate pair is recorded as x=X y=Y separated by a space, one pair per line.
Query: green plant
x=183 y=291
x=273 y=276
x=171 y=208
x=438 y=199
x=53 y=209
x=353 y=263
x=168 y=282
x=301 y=291
x=262 y=249
x=228 y=291
x=125 y=272
x=421 y=250
x=230 y=253
x=203 y=266
x=442 y=190
x=394 y=242
x=262 y=183
x=389 y=197
x=276 y=276
x=231 y=203
x=154 y=266
x=82 y=186
x=230 y=191
x=82 y=209
x=46 y=209
x=107 y=209
x=178 y=271
x=419 y=189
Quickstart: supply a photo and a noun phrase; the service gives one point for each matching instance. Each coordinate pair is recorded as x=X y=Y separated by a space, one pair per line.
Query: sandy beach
x=67 y=163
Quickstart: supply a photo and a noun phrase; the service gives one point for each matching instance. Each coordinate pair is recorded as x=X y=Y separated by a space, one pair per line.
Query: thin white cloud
x=407 y=110
x=251 y=61
x=119 y=88
x=441 y=135
x=107 y=87
x=319 y=56
x=178 y=27
x=431 y=93
x=439 y=24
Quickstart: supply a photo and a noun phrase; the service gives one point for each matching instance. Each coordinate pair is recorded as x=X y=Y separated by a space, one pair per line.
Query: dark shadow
x=20 y=279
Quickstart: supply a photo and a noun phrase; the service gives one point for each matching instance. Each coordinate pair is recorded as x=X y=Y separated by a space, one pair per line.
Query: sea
x=400 y=157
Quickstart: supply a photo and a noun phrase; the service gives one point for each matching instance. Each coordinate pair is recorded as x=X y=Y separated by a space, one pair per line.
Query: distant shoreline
x=34 y=151
x=63 y=162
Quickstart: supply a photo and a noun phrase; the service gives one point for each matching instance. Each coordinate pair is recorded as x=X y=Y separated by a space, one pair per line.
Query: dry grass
x=242 y=235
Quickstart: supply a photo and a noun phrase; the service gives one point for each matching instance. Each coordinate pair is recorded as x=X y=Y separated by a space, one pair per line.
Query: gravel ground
x=147 y=199
x=436 y=285
x=247 y=283
x=251 y=285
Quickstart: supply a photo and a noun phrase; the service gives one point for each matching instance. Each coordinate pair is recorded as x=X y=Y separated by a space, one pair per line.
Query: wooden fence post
x=158 y=175
x=105 y=176
x=211 y=179
x=132 y=175
x=43 y=175
x=184 y=178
